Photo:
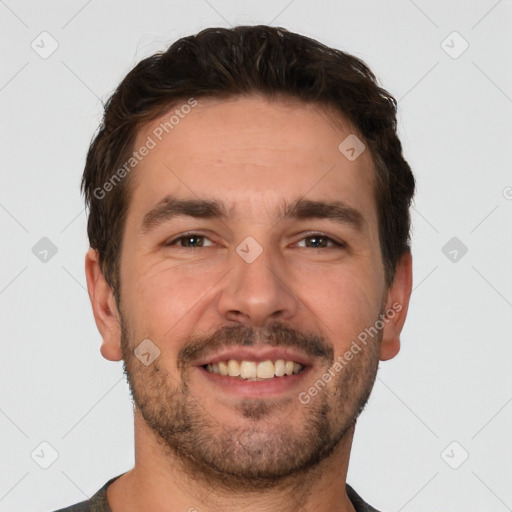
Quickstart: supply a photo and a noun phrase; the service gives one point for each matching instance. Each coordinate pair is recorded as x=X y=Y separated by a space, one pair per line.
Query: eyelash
x=335 y=244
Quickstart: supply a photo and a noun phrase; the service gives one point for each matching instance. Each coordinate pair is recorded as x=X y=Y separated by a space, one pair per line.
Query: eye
x=319 y=241
x=190 y=240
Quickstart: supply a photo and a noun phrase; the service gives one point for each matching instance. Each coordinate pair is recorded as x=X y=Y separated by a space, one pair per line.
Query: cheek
x=164 y=297
x=345 y=301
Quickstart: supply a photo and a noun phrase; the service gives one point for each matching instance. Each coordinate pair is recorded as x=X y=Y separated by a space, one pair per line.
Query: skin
x=254 y=155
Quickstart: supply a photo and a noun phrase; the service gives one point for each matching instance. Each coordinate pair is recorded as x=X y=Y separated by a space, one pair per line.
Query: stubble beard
x=267 y=450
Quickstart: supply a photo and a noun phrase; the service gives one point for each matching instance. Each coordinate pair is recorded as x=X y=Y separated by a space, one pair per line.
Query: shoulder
x=97 y=503
x=84 y=506
x=359 y=504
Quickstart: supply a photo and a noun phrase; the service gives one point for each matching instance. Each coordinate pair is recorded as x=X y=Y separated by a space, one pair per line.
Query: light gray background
x=452 y=379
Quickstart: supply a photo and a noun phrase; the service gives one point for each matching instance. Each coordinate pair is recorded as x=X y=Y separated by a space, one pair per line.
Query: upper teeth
x=251 y=369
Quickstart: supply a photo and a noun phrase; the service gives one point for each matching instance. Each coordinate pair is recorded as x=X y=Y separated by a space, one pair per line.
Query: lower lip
x=256 y=388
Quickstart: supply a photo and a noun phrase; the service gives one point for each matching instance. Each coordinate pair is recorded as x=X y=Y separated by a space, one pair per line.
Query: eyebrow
x=170 y=207
x=336 y=211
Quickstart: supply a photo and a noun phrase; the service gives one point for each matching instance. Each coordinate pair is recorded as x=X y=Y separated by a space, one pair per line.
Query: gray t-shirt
x=99 y=503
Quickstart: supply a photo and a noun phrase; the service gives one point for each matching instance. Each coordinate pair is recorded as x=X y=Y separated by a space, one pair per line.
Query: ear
x=397 y=304
x=104 y=308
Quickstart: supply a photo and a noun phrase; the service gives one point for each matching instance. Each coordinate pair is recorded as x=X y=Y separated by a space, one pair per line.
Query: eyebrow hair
x=170 y=207
x=337 y=211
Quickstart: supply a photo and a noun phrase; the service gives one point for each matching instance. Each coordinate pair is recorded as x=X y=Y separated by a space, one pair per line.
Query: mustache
x=276 y=334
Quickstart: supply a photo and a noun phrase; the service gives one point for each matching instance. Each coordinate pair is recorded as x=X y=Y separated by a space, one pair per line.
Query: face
x=251 y=263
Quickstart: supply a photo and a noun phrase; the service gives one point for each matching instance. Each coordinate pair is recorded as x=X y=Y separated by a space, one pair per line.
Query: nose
x=258 y=292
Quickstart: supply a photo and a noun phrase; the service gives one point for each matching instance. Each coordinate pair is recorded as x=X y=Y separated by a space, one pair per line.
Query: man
x=250 y=263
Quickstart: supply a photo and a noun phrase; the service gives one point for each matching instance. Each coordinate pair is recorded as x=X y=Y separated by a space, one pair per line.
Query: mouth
x=255 y=370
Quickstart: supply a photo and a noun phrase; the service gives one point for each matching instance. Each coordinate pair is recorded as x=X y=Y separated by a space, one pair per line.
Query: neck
x=161 y=482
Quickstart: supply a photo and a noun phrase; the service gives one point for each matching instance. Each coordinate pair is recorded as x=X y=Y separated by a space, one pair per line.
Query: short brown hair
x=223 y=63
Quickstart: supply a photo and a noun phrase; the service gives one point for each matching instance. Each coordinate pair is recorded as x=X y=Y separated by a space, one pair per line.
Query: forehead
x=249 y=149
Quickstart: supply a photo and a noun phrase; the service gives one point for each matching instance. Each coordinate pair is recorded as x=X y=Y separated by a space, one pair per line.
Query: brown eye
x=190 y=240
x=318 y=241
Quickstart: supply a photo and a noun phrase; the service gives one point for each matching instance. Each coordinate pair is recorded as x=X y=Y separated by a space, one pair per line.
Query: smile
x=255 y=370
